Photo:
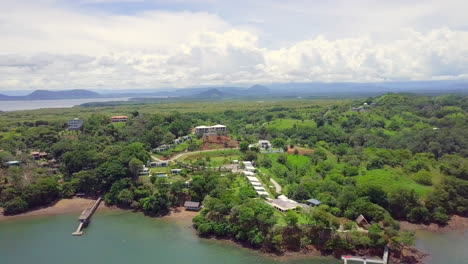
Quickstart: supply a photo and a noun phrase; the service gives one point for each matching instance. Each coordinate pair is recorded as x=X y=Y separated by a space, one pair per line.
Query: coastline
x=63 y=206
x=184 y=218
x=78 y=205
x=455 y=223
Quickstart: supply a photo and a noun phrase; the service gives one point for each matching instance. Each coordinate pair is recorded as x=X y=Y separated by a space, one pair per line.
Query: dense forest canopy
x=397 y=156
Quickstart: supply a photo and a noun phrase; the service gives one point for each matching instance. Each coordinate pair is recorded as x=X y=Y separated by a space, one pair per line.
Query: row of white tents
x=256 y=184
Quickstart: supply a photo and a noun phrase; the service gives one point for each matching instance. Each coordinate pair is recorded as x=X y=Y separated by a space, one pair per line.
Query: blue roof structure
x=314 y=201
x=14 y=162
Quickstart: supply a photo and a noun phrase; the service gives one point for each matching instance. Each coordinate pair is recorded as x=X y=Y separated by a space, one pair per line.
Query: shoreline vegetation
x=184 y=217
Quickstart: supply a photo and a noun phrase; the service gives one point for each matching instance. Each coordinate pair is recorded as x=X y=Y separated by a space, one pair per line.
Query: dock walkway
x=85 y=217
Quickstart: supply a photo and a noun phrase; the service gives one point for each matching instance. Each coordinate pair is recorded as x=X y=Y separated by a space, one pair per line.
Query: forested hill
x=52 y=95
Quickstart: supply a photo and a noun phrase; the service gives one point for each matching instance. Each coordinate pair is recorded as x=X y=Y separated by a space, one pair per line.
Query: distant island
x=52 y=95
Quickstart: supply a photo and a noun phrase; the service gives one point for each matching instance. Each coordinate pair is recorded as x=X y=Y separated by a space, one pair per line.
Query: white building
x=75 y=124
x=210 y=130
x=283 y=204
x=163 y=163
x=262 y=144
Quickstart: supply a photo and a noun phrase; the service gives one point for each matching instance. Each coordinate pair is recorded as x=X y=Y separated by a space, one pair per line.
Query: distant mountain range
x=52 y=95
x=275 y=90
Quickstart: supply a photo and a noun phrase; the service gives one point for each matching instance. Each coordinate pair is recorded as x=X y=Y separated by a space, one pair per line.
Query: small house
x=313 y=202
x=362 y=221
x=176 y=171
x=144 y=170
x=35 y=155
x=161 y=175
x=163 y=163
x=74 y=124
x=115 y=119
x=192 y=206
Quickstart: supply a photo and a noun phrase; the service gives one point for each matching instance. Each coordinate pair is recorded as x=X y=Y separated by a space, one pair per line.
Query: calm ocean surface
x=119 y=238
x=124 y=237
x=38 y=104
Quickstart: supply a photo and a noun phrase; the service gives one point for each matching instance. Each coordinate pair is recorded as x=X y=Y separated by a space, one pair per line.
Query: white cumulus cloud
x=48 y=46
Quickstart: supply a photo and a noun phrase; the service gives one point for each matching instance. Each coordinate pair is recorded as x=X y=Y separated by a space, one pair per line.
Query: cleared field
x=282 y=124
x=391 y=180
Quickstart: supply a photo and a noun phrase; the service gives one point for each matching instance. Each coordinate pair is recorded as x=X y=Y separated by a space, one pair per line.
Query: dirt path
x=277 y=186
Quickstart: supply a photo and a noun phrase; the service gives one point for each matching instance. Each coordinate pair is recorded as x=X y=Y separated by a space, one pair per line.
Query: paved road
x=277 y=186
x=180 y=155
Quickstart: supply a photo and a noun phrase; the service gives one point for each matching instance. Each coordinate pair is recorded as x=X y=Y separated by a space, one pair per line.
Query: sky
x=156 y=44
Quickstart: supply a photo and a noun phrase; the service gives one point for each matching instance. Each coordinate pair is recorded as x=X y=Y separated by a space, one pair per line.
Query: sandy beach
x=64 y=206
x=78 y=205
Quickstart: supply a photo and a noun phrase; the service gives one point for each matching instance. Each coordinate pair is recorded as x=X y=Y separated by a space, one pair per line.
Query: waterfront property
x=210 y=130
x=283 y=204
x=75 y=124
x=192 y=206
x=119 y=119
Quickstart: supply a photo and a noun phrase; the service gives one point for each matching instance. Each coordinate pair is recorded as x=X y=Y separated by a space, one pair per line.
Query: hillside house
x=176 y=171
x=144 y=170
x=74 y=124
x=36 y=155
x=210 y=130
x=262 y=144
x=313 y=202
x=162 y=163
x=115 y=119
x=163 y=148
x=284 y=204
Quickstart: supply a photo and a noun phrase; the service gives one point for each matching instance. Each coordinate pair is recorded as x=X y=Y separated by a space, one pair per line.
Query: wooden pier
x=85 y=217
x=365 y=260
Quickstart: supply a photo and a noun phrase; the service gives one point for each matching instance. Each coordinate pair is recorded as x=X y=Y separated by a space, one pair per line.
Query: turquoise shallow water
x=118 y=237
x=124 y=237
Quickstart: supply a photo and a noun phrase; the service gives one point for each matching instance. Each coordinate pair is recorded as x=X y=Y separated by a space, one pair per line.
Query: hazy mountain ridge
x=52 y=95
x=271 y=90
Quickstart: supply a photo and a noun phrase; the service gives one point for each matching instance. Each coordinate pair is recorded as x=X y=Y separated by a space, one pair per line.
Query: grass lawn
x=118 y=125
x=391 y=180
x=282 y=124
x=298 y=161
